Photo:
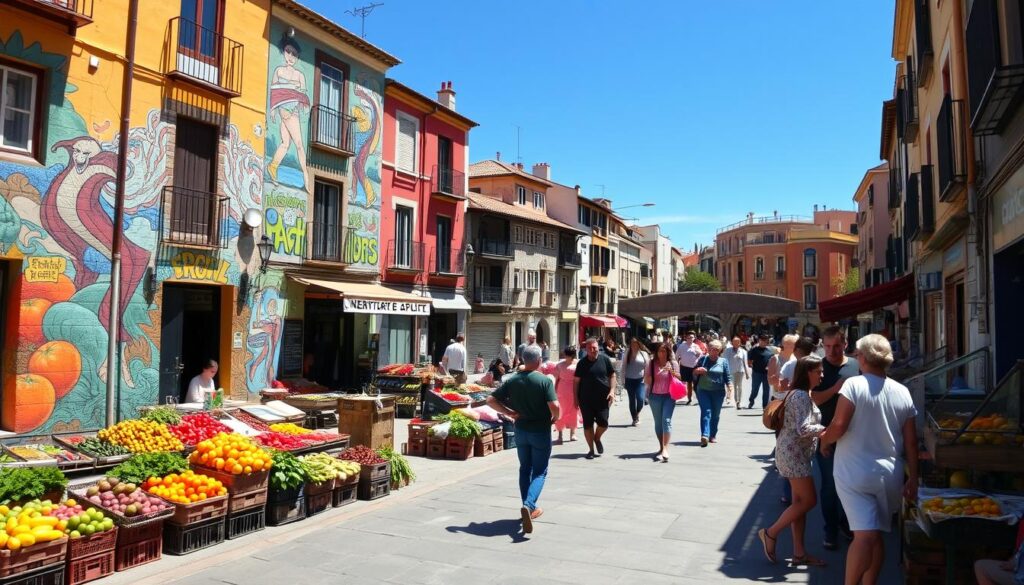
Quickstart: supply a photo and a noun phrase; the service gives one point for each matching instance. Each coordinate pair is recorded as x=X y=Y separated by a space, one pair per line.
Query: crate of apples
x=125 y=500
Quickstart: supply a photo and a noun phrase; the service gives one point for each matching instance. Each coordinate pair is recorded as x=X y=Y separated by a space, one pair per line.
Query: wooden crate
x=416 y=447
x=421 y=429
x=484 y=445
x=366 y=422
x=436 y=448
x=458 y=449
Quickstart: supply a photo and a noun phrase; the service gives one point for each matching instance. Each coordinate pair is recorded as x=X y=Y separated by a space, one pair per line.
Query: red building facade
x=423 y=186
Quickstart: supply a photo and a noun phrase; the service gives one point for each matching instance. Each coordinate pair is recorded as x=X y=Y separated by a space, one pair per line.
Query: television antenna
x=361 y=13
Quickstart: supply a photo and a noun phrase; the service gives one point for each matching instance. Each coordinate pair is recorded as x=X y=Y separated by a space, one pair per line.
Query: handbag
x=774 y=414
x=677 y=389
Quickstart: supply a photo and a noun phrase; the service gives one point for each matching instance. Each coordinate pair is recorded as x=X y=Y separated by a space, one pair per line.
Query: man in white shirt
x=803 y=348
x=454 y=359
x=738 y=369
x=687 y=354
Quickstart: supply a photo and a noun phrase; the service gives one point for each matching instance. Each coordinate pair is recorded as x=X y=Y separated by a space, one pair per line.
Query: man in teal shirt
x=528 y=397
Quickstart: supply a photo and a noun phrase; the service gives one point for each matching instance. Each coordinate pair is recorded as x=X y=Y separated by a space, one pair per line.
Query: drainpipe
x=114 y=333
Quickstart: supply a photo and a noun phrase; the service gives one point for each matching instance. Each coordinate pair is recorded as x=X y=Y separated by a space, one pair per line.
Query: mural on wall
x=58 y=219
x=364 y=191
x=265 y=328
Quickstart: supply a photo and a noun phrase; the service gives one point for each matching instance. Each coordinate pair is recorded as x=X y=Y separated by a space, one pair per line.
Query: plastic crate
x=435 y=448
x=509 y=434
x=286 y=512
x=187 y=514
x=148 y=531
x=48 y=575
x=246 y=522
x=241 y=501
x=90 y=568
x=134 y=554
x=182 y=540
x=416 y=447
x=14 y=562
x=344 y=495
x=87 y=546
x=317 y=503
x=374 y=472
x=374 y=489
x=458 y=449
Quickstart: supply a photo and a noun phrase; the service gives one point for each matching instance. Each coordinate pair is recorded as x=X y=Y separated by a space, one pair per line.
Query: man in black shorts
x=594 y=387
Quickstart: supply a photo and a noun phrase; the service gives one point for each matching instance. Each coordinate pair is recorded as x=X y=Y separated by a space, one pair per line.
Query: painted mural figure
x=288 y=101
x=264 y=335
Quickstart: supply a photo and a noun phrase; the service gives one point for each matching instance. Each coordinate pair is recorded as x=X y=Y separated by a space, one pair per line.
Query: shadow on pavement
x=637 y=456
x=687 y=443
x=569 y=456
x=506 y=527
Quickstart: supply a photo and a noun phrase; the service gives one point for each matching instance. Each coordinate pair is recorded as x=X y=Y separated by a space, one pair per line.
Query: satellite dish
x=252 y=218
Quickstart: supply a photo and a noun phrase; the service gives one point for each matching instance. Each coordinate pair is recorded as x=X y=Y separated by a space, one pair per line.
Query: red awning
x=869 y=299
x=597 y=321
x=621 y=321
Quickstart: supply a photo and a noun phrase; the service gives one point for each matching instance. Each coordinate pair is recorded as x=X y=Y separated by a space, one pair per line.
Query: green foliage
x=164 y=414
x=694 y=279
x=146 y=465
x=401 y=471
x=26 y=483
x=462 y=427
x=287 y=473
x=847 y=284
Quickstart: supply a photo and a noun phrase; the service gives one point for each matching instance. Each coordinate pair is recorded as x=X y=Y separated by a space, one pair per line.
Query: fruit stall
x=460 y=434
x=408 y=383
x=171 y=483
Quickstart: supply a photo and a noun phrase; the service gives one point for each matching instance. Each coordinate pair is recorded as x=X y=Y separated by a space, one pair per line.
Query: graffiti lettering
x=45 y=269
x=285 y=201
x=198 y=266
x=287 y=237
x=362 y=250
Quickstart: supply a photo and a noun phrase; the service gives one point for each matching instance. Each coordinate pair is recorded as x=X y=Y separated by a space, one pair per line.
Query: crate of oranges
x=196 y=497
x=141 y=436
x=240 y=464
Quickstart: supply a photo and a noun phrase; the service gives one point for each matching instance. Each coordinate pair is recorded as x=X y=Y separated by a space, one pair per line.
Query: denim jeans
x=757 y=380
x=831 y=507
x=636 y=391
x=710 y=402
x=662 y=407
x=534 y=450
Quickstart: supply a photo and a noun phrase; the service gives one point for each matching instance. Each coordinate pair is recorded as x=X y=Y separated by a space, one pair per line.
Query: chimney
x=775 y=214
x=542 y=170
x=577 y=189
x=498 y=156
x=815 y=208
x=519 y=166
x=446 y=95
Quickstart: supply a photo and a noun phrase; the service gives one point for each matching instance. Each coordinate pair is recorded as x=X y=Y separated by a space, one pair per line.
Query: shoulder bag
x=774 y=414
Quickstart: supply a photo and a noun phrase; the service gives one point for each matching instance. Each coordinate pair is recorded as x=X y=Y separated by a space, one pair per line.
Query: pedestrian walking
x=565 y=376
x=875 y=434
x=757 y=360
x=506 y=354
x=635 y=366
x=712 y=381
x=795 y=447
x=531 y=339
x=780 y=359
x=454 y=360
x=836 y=369
x=529 y=398
x=658 y=378
x=738 y=368
x=687 y=354
x=594 y=388
x=802 y=348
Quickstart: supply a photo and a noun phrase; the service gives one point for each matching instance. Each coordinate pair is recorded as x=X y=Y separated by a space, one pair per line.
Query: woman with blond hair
x=711 y=377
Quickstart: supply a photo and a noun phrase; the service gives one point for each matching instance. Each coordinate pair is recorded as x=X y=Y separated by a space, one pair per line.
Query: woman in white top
x=202 y=382
x=874 y=429
x=634 y=370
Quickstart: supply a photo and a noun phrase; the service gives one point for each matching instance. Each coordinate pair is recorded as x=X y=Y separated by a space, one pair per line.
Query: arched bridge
x=727 y=305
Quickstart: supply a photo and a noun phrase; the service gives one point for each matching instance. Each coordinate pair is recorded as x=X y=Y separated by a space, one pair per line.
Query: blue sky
x=707 y=109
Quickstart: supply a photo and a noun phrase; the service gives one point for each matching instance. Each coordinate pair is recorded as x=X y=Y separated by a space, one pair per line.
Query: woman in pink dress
x=565 y=374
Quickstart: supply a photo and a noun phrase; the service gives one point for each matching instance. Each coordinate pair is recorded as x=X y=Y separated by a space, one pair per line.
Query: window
x=611 y=256
x=532 y=279
x=517 y=279
x=330 y=104
x=193 y=214
x=521 y=194
x=810 y=263
x=201 y=23
x=445 y=162
x=405 y=143
x=517 y=234
x=871 y=196
x=563 y=285
x=444 y=244
x=759 y=267
x=584 y=215
x=549 y=282
x=326 y=219
x=583 y=295
x=739 y=271
x=538 y=200
x=780 y=264
x=810 y=297
x=403 y=236
x=19 y=108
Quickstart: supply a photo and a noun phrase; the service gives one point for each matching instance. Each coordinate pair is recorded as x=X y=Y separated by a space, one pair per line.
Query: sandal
x=808 y=561
x=763 y=535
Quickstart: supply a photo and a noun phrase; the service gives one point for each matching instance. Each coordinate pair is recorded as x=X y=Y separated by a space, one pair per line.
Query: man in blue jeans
x=757 y=359
x=528 y=397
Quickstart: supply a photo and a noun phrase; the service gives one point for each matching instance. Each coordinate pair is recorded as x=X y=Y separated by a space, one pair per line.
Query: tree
x=695 y=279
x=847 y=284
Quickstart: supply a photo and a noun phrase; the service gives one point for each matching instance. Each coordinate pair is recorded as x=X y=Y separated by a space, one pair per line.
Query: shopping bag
x=677 y=389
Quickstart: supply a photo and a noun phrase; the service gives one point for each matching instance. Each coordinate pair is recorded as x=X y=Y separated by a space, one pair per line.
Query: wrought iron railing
x=923 y=32
x=927 y=199
x=446 y=261
x=906 y=104
x=952 y=139
x=332 y=129
x=329 y=242
x=492 y=295
x=79 y=11
x=570 y=260
x=193 y=217
x=405 y=255
x=448 y=181
x=780 y=274
x=494 y=247
x=205 y=55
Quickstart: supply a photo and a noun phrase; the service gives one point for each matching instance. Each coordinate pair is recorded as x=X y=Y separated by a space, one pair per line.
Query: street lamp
x=637 y=205
x=265 y=248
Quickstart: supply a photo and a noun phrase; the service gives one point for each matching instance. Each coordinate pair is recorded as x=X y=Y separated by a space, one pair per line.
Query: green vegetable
x=97 y=448
x=287 y=473
x=462 y=427
x=165 y=414
x=146 y=465
x=21 y=483
x=401 y=471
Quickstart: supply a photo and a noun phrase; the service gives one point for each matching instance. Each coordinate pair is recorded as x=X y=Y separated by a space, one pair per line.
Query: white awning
x=362 y=297
x=447 y=301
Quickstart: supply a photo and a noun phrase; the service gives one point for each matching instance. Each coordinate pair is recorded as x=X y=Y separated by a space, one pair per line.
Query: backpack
x=774 y=414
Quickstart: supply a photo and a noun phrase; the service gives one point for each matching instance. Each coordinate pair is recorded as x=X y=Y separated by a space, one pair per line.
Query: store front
x=1008 y=271
x=449 y=313
x=192 y=331
x=955 y=299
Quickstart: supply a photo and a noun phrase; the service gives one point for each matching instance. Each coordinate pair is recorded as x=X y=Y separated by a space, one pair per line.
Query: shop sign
x=385 y=307
x=45 y=268
x=1008 y=211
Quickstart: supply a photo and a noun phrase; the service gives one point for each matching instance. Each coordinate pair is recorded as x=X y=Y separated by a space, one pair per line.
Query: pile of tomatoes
x=280 y=441
x=197 y=427
x=231 y=453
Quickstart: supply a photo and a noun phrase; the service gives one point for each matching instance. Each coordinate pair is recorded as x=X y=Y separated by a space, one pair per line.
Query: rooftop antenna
x=519 y=131
x=361 y=13
x=602 y=186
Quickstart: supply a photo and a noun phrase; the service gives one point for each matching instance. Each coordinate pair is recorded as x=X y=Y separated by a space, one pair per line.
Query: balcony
x=570 y=260
x=912 y=210
x=923 y=32
x=895 y=186
x=780 y=274
x=332 y=130
x=492 y=295
x=759 y=275
x=405 y=256
x=548 y=299
x=952 y=139
x=328 y=242
x=494 y=248
x=193 y=218
x=995 y=89
x=205 y=57
x=906 y=107
x=766 y=238
x=448 y=183
x=927 y=201
x=446 y=262
x=69 y=13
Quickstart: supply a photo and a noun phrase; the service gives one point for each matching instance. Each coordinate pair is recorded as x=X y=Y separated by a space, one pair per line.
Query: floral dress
x=798 y=439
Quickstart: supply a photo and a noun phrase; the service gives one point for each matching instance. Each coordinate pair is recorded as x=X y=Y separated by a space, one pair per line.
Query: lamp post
x=265 y=249
x=637 y=205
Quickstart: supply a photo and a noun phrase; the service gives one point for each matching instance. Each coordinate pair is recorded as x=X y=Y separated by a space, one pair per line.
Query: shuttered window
x=405 y=148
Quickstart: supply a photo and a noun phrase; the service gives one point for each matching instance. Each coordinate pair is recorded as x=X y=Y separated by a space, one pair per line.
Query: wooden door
x=194 y=204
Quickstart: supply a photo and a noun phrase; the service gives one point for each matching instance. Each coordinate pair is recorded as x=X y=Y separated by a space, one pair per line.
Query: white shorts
x=870 y=505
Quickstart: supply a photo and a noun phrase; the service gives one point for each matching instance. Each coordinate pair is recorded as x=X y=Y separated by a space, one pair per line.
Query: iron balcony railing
x=332 y=129
x=492 y=295
x=206 y=56
x=995 y=88
x=570 y=260
x=494 y=247
x=780 y=274
x=766 y=238
x=923 y=32
x=448 y=181
x=766 y=219
x=446 y=261
x=952 y=139
x=895 y=185
x=906 y=107
x=193 y=218
x=329 y=242
x=912 y=210
x=405 y=255
x=72 y=13
x=927 y=200
x=759 y=275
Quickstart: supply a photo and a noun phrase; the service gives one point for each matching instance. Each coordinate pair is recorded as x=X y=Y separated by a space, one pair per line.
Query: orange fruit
x=34 y=399
x=60 y=363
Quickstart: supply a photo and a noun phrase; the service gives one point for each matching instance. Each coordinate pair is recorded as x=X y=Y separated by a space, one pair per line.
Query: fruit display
x=982 y=507
x=250 y=420
x=397 y=370
x=94 y=447
x=362 y=455
x=44 y=452
x=27 y=483
x=397 y=385
x=185 y=488
x=321 y=467
x=141 y=436
x=231 y=453
x=319 y=437
x=453 y=397
x=289 y=429
x=289 y=473
x=146 y=465
x=124 y=499
x=24 y=526
x=408 y=400
x=30 y=453
x=197 y=427
x=79 y=522
x=280 y=441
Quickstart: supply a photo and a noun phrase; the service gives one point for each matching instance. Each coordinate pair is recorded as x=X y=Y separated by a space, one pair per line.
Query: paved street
x=618 y=519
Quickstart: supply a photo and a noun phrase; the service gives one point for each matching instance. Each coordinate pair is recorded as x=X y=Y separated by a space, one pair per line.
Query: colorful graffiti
x=200 y=266
x=264 y=338
x=284 y=223
x=364 y=192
